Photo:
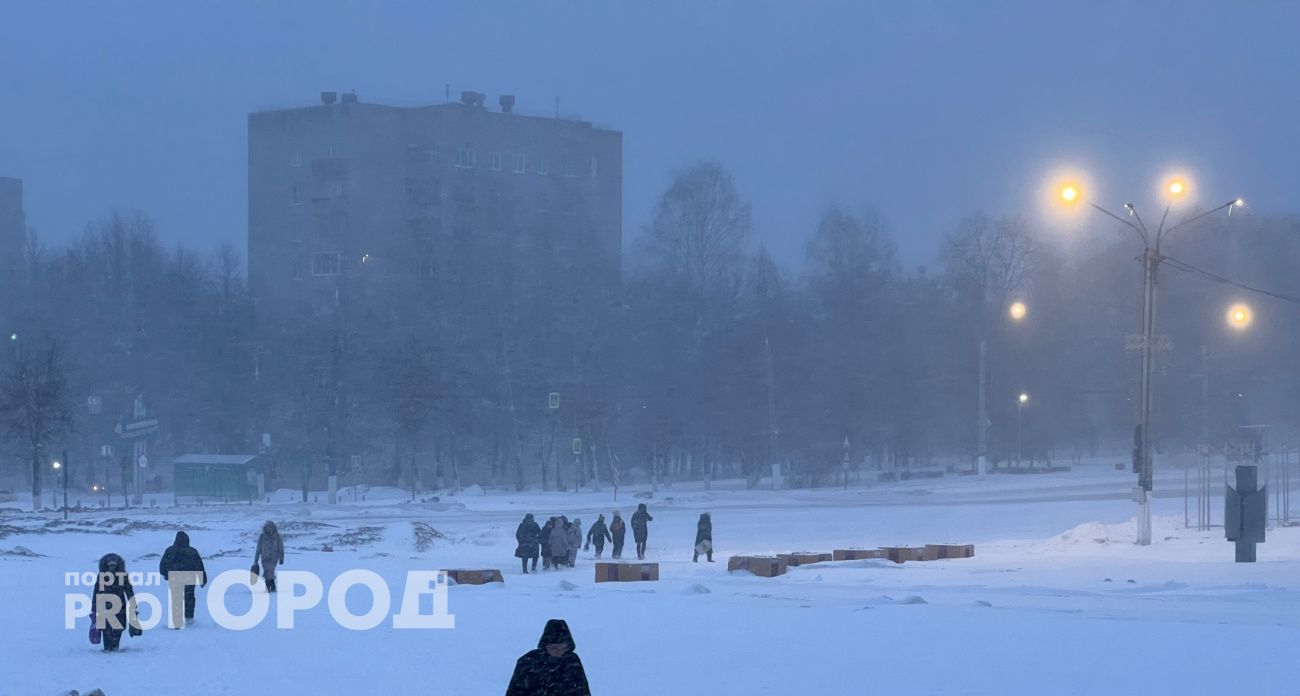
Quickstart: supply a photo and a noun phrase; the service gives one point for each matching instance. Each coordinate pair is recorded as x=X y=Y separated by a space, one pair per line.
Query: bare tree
x=34 y=404
x=700 y=226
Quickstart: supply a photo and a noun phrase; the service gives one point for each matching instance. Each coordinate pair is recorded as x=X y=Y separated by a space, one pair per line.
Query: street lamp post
x=1016 y=311
x=1151 y=259
x=1020 y=411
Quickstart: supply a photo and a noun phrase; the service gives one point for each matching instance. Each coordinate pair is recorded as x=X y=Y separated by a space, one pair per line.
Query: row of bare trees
x=712 y=359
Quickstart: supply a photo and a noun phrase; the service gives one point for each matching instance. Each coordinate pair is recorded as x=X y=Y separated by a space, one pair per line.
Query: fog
x=928 y=111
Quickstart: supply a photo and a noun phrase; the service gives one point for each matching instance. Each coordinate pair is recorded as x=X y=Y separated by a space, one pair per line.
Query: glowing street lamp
x=1240 y=316
x=1017 y=310
x=1152 y=240
x=1024 y=399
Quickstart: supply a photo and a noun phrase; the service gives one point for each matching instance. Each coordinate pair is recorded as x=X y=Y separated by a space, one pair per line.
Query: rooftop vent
x=329 y=97
x=507 y=102
x=472 y=98
x=350 y=98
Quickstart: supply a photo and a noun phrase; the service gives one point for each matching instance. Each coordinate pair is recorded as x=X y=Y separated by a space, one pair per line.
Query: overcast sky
x=927 y=110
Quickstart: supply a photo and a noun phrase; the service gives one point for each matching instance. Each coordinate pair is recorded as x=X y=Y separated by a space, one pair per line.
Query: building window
x=593 y=166
x=422 y=191
x=326 y=263
x=295 y=234
x=568 y=167
x=297 y=268
x=467 y=158
x=543 y=202
x=543 y=166
x=295 y=196
x=332 y=188
x=295 y=160
x=495 y=160
x=520 y=164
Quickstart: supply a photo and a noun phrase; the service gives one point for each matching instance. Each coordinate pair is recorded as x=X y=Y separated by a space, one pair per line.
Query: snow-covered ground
x=1057 y=599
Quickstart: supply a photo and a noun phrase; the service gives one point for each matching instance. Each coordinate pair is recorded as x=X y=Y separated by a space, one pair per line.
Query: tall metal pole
x=65 y=484
x=981 y=423
x=771 y=408
x=1151 y=262
x=1020 y=416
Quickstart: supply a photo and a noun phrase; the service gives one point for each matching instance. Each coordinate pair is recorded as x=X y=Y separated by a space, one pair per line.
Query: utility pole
x=982 y=419
x=1150 y=262
x=66 y=465
x=771 y=411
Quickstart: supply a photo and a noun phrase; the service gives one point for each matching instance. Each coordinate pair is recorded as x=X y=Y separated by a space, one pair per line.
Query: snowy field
x=1056 y=601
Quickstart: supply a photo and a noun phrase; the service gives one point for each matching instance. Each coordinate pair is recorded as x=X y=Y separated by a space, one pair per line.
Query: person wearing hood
x=527 y=536
x=560 y=542
x=113 y=608
x=640 y=531
x=553 y=669
x=598 y=535
x=545 y=539
x=703 y=538
x=182 y=567
x=618 y=532
x=574 y=540
x=270 y=552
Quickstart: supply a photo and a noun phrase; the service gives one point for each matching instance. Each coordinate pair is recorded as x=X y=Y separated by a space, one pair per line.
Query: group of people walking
x=557 y=542
x=181 y=565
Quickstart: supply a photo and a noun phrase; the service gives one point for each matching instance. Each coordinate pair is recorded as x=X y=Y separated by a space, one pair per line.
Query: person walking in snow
x=182 y=566
x=574 y=540
x=703 y=538
x=545 y=540
x=113 y=605
x=618 y=531
x=598 y=535
x=560 y=542
x=528 y=536
x=553 y=669
x=270 y=552
x=641 y=532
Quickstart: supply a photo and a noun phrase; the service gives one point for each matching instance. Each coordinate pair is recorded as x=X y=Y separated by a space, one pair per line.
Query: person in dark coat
x=182 y=567
x=574 y=539
x=703 y=538
x=598 y=535
x=270 y=552
x=528 y=536
x=545 y=540
x=618 y=531
x=640 y=532
x=553 y=669
x=114 y=603
x=560 y=542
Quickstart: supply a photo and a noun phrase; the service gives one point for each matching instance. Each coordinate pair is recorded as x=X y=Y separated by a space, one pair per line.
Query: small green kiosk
x=217 y=477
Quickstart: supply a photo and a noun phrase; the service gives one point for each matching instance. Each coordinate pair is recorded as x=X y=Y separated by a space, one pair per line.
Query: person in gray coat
x=269 y=553
x=560 y=542
x=574 y=540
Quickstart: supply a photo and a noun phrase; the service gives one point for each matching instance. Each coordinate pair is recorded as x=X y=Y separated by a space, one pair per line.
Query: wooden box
x=762 y=566
x=902 y=554
x=856 y=554
x=934 y=552
x=627 y=572
x=480 y=576
x=800 y=558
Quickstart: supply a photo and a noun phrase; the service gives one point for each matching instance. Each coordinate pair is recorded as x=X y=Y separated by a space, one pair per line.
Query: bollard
x=1245 y=512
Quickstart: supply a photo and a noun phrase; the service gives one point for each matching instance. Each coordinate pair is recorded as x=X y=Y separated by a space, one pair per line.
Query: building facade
x=373 y=200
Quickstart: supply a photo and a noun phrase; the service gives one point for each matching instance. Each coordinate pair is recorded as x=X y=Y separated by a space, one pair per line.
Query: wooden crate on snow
x=856 y=554
x=902 y=554
x=627 y=572
x=935 y=552
x=762 y=566
x=478 y=576
x=802 y=558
